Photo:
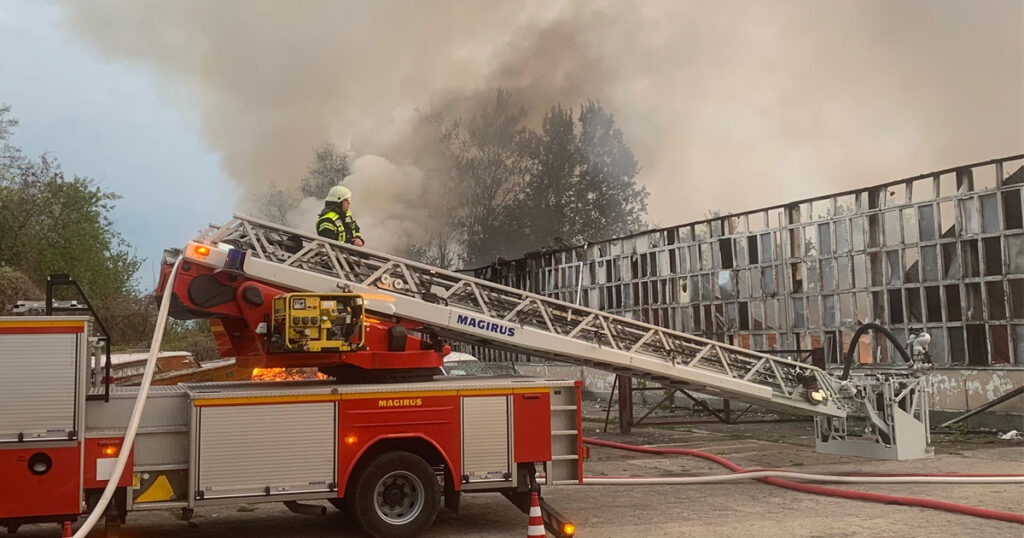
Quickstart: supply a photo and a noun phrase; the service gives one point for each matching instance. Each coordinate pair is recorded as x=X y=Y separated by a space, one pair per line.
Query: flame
x=284 y=374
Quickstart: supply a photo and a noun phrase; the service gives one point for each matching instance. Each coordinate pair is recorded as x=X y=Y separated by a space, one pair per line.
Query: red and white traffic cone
x=66 y=531
x=536 y=527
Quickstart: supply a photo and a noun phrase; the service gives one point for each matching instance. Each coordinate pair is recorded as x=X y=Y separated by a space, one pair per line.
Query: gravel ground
x=742 y=509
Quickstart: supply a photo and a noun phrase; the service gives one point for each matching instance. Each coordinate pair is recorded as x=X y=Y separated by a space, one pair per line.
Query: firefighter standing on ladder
x=336 y=221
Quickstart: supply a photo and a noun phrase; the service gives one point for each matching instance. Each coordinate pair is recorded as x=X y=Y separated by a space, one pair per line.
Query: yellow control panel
x=317 y=322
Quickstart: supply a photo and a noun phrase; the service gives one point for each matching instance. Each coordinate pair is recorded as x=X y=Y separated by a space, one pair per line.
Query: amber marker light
x=108 y=450
x=202 y=250
x=350 y=440
x=378 y=297
x=569 y=529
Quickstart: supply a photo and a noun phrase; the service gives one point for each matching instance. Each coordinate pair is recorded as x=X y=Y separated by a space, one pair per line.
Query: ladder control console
x=317 y=322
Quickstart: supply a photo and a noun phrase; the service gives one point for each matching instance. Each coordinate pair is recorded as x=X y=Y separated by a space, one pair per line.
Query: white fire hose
x=140 y=403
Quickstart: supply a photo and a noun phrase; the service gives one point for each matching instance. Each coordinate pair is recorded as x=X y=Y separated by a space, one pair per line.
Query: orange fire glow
x=284 y=374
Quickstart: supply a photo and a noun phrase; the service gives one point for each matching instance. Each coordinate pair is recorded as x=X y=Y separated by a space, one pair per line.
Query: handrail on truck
x=55 y=280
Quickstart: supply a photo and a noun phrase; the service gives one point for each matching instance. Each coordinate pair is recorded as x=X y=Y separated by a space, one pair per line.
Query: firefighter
x=336 y=221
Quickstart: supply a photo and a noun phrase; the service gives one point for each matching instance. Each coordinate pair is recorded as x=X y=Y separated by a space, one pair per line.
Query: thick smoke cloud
x=388 y=200
x=728 y=105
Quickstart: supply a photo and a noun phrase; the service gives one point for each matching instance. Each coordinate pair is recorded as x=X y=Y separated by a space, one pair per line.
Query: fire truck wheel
x=395 y=495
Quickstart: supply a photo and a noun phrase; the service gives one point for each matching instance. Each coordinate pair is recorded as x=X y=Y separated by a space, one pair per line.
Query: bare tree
x=445 y=245
x=274 y=203
x=441 y=241
x=330 y=166
x=444 y=249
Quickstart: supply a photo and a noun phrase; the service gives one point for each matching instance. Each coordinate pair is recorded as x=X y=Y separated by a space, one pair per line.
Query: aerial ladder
x=448 y=305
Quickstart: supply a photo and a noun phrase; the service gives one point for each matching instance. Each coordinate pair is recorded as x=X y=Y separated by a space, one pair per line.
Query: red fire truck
x=386 y=439
x=384 y=436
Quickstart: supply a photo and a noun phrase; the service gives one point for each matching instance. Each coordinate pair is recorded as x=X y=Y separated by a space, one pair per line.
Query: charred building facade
x=941 y=252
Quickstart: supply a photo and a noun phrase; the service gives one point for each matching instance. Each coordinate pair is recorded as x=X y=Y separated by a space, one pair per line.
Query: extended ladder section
x=473 y=310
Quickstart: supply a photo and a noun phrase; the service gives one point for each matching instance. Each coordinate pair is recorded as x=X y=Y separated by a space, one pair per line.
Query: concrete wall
x=957 y=389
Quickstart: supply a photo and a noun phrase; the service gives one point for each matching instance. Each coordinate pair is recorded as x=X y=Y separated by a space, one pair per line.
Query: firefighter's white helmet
x=338 y=193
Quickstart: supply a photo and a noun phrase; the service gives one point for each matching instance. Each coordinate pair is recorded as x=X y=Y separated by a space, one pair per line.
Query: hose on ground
x=807 y=477
x=848 y=358
x=140 y=404
x=818 y=490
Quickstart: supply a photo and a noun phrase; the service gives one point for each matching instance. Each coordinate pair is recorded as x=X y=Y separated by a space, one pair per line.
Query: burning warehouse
x=941 y=252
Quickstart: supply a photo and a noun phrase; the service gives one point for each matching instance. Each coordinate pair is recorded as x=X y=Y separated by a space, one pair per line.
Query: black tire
x=395 y=495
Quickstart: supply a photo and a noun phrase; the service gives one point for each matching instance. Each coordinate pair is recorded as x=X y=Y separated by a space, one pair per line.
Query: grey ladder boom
x=473 y=310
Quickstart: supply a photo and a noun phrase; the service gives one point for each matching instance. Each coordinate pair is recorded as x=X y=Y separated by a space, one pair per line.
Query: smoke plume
x=387 y=197
x=727 y=105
